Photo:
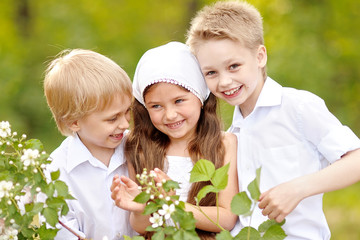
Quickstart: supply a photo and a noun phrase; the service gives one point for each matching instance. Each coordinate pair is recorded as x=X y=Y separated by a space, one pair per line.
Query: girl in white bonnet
x=174 y=125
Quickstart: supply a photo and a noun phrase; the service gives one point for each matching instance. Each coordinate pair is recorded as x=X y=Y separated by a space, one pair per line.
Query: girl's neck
x=178 y=148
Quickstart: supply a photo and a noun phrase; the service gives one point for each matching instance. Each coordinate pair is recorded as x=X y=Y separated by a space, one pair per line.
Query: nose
x=170 y=113
x=123 y=123
x=224 y=80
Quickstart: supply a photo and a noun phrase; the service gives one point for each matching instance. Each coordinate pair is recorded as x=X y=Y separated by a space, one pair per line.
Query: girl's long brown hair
x=146 y=147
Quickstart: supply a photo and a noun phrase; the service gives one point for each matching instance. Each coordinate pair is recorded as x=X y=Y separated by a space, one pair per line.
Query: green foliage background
x=312 y=45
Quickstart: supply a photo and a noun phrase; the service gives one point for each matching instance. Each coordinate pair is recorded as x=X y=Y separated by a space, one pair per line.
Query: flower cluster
x=167 y=214
x=23 y=164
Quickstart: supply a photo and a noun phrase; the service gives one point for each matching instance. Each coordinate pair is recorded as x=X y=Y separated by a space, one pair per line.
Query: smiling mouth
x=174 y=125
x=120 y=135
x=232 y=91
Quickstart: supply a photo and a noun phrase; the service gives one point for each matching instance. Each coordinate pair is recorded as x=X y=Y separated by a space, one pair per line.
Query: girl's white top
x=178 y=170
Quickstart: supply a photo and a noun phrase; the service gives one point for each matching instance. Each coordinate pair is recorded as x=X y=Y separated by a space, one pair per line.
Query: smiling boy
x=89 y=96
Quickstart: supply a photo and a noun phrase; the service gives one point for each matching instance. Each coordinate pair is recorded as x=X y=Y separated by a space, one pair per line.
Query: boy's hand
x=279 y=201
x=123 y=192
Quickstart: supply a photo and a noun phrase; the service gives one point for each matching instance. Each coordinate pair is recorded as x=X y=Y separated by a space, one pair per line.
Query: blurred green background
x=312 y=45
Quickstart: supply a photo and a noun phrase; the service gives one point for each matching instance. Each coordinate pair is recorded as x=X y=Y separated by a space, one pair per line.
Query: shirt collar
x=78 y=154
x=270 y=95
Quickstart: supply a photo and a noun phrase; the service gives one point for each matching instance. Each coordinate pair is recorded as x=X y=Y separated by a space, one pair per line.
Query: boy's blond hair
x=235 y=20
x=79 y=82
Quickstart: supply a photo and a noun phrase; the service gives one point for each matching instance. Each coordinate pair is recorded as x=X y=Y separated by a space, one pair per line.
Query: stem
x=217 y=224
x=72 y=231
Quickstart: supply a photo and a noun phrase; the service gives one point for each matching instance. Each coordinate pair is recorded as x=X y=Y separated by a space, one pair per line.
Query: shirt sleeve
x=324 y=130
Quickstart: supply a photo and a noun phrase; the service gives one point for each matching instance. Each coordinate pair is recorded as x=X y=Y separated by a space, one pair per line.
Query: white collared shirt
x=289 y=133
x=93 y=213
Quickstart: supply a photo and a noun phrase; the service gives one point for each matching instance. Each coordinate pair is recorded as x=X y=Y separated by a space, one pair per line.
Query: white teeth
x=174 y=124
x=232 y=91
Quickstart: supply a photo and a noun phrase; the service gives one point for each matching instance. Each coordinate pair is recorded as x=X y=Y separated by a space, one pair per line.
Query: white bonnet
x=171 y=63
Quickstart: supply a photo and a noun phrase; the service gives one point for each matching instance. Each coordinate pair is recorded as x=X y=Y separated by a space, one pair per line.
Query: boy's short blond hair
x=79 y=82
x=235 y=20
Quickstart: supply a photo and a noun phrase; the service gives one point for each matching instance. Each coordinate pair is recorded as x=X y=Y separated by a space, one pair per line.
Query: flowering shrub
x=22 y=178
x=163 y=206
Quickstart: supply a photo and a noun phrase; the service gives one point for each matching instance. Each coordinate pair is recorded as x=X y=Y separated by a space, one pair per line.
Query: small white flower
x=20 y=145
x=5 y=187
x=167 y=210
x=23 y=136
x=161 y=196
x=163 y=181
x=159 y=184
x=152 y=174
x=177 y=202
x=14 y=133
x=11 y=162
x=29 y=156
x=5 y=130
x=167 y=198
x=140 y=188
x=12 y=221
x=38 y=189
x=156 y=220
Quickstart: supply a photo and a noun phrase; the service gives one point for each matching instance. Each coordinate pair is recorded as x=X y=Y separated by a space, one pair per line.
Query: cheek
x=211 y=84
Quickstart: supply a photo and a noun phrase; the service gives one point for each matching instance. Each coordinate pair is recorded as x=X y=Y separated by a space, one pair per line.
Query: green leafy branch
x=22 y=179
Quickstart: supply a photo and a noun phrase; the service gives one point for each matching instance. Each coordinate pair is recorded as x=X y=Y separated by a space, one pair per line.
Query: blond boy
x=288 y=132
x=89 y=96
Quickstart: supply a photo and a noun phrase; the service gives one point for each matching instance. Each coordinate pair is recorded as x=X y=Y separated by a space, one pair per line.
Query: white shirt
x=289 y=133
x=178 y=169
x=93 y=213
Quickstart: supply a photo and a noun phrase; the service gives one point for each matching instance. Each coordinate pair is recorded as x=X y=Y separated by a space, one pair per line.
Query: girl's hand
x=160 y=176
x=123 y=192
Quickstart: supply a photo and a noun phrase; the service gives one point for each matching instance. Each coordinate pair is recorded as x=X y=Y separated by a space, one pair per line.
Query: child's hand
x=123 y=192
x=160 y=176
x=279 y=201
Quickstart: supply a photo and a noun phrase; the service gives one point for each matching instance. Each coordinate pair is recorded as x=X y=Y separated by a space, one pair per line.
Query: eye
x=179 y=100
x=209 y=73
x=234 y=66
x=156 y=106
x=112 y=119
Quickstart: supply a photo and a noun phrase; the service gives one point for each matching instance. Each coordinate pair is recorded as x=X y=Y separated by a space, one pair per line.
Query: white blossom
x=167 y=210
x=5 y=130
x=5 y=187
x=30 y=156
x=156 y=220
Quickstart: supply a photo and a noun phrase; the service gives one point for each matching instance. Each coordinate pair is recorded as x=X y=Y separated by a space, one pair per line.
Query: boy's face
x=232 y=71
x=103 y=130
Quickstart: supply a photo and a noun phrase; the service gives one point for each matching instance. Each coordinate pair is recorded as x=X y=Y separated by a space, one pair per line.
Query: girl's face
x=173 y=110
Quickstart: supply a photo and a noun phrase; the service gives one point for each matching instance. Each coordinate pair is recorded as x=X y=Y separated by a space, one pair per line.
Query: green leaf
x=241 y=204
x=205 y=190
x=224 y=235
x=34 y=144
x=61 y=188
x=248 y=233
x=51 y=216
x=203 y=170
x=150 y=208
x=186 y=220
x=220 y=178
x=170 y=185
x=160 y=235
x=182 y=234
x=275 y=232
x=253 y=187
x=55 y=175
x=268 y=223
x=142 y=197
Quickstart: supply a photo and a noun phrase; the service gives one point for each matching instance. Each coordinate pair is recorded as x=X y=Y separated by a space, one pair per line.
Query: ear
x=262 y=56
x=75 y=126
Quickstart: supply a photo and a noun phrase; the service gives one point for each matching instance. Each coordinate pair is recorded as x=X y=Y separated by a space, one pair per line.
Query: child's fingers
x=160 y=175
x=128 y=182
x=115 y=182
